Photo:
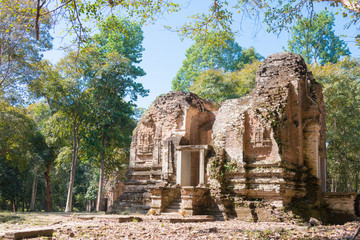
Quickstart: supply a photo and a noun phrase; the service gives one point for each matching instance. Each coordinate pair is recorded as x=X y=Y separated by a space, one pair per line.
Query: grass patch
x=11 y=218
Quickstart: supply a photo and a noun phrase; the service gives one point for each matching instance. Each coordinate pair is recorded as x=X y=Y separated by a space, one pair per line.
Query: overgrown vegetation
x=81 y=122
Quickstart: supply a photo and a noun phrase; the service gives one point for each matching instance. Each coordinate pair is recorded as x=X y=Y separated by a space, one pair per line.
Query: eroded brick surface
x=260 y=152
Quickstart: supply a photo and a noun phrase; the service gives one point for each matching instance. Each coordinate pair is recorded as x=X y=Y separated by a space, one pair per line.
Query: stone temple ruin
x=249 y=158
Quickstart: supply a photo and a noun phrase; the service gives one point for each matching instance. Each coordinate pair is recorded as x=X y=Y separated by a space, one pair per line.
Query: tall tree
x=315 y=40
x=110 y=68
x=209 y=53
x=64 y=88
x=41 y=114
x=48 y=113
x=70 y=99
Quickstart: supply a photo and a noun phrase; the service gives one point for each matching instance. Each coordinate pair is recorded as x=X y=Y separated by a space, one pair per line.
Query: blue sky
x=164 y=51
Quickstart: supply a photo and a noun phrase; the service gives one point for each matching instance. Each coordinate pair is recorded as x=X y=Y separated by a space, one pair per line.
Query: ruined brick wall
x=267 y=146
x=176 y=118
x=274 y=138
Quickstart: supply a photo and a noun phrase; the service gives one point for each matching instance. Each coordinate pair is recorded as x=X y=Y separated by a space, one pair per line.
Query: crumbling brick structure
x=245 y=158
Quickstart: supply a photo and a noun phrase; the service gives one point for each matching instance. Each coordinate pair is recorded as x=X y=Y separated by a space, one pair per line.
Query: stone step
x=176 y=214
x=146 y=168
x=135 y=182
x=171 y=211
x=175 y=204
x=139 y=177
x=141 y=182
x=177 y=218
x=134 y=188
x=192 y=219
x=173 y=207
x=138 y=173
x=153 y=172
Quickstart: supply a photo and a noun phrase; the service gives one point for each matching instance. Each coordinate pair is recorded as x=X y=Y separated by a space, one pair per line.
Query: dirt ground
x=101 y=226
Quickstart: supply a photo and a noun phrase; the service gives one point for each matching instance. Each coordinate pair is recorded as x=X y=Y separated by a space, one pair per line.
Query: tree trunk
x=335 y=185
x=24 y=194
x=48 y=201
x=348 y=177
x=101 y=178
x=13 y=206
x=34 y=190
x=68 y=207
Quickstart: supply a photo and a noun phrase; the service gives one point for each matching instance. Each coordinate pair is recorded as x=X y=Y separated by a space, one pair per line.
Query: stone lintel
x=193 y=148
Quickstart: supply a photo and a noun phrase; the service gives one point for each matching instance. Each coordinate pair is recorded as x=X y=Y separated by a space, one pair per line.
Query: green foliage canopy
x=315 y=40
x=110 y=67
x=218 y=86
x=208 y=53
x=18 y=136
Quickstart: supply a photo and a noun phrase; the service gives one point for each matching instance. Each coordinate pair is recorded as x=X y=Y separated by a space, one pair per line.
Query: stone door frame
x=180 y=153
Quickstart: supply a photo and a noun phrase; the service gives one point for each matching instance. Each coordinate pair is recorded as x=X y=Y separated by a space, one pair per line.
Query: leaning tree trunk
x=68 y=207
x=101 y=178
x=48 y=198
x=34 y=190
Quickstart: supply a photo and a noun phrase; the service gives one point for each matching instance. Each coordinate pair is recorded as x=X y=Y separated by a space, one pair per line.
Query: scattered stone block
x=29 y=233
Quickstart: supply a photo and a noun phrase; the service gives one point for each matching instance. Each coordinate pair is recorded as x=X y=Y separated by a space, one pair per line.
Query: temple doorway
x=191 y=165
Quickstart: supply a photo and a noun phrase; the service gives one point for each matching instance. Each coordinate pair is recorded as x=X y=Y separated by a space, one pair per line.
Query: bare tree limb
x=54 y=10
x=38 y=10
x=352 y=5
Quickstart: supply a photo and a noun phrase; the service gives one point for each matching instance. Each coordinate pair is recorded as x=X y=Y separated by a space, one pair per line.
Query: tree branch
x=54 y=10
x=352 y=5
x=38 y=10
